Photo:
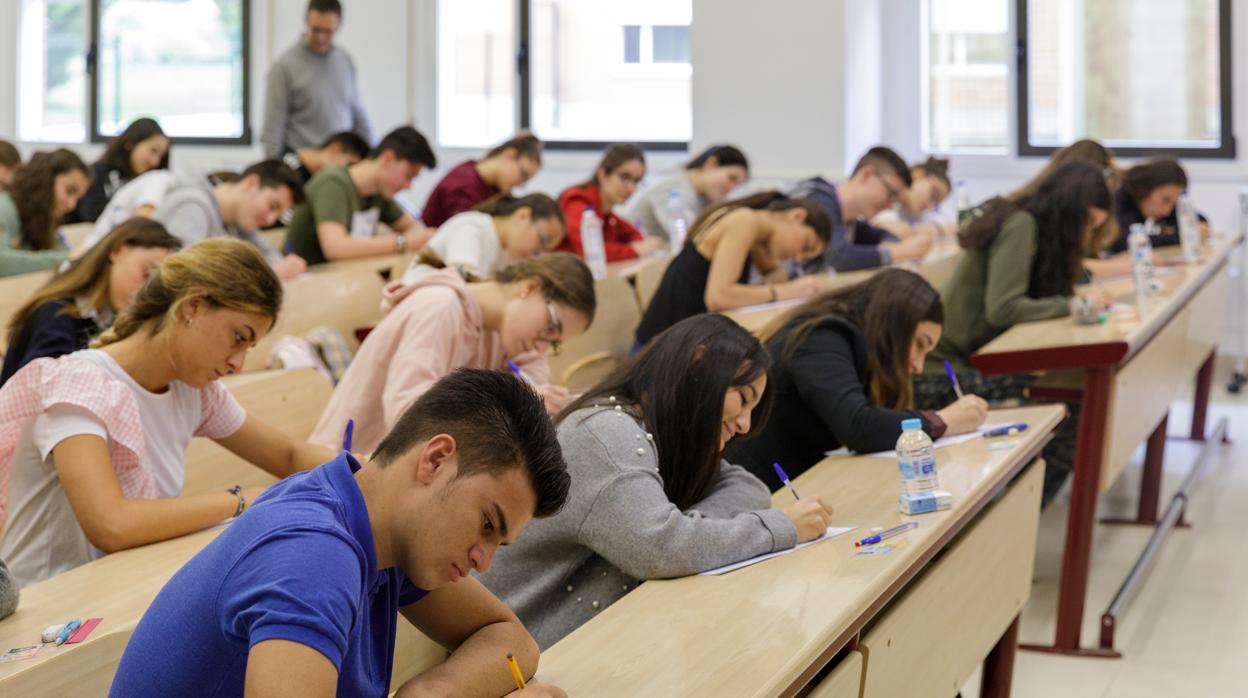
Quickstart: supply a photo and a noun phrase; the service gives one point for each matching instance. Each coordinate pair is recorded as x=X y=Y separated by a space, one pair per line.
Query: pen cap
x=908 y=424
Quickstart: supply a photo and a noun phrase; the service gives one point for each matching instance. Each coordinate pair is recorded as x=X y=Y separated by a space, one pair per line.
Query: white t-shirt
x=148 y=189
x=42 y=537
x=467 y=239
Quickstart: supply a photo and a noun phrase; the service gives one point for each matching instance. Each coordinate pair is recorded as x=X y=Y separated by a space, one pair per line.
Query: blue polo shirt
x=299 y=565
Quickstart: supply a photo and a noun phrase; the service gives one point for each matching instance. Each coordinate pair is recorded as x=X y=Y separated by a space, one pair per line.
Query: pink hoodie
x=434 y=327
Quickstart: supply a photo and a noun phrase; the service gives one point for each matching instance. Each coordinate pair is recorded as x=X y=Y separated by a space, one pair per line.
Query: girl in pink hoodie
x=440 y=322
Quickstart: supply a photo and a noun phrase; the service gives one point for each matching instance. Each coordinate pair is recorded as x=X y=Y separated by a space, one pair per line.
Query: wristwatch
x=400 y=243
x=237 y=491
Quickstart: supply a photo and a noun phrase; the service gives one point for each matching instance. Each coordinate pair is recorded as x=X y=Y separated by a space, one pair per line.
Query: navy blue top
x=1127 y=213
x=299 y=565
x=48 y=333
x=851 y=248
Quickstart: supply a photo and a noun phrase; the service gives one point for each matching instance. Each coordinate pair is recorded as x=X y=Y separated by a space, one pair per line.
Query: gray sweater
x=310 y=97
x=649 y=208
x=619 y=528
x=190 y=213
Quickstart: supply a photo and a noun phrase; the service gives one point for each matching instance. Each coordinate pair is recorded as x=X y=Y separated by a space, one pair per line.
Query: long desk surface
x=1126 y=373
x=766 y=629
x=936 y=267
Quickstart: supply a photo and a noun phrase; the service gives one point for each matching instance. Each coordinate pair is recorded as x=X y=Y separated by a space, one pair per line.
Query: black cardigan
x=1127 y=212
x=822 y=402
x=47 y=334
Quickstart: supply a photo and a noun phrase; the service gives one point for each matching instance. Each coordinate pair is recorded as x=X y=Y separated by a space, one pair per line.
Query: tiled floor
x=1186 y=634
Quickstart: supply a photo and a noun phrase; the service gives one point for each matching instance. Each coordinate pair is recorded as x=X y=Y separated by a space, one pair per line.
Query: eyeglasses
x=553 y=332
x=893 y=194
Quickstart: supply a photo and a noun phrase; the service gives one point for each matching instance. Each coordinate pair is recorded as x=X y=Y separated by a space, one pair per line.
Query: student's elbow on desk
x=717 y=301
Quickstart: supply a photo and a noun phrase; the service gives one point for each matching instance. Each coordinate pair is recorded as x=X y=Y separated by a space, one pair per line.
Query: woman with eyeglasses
x=614 y=180
x=441 y=322
x=508 y=165
x=712 y=272
x=915 y=208
x=481 y=242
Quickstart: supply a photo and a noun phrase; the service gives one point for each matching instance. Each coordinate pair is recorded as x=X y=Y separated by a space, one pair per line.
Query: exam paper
x=827 y=535
x=939 y=443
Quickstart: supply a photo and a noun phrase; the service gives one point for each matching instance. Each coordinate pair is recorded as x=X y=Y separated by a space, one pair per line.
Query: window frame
x=93 y=84
x=1226 y=149
x=524 y=100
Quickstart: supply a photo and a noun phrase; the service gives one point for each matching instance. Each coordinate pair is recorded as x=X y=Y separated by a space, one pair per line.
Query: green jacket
x=13 y=259
x=987 y=295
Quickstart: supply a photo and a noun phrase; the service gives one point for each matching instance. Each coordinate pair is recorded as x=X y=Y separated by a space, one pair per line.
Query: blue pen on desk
x=1006 y=429
x=953 y=378
x=785 y=479
x=347 y=434
x=68 y=630
x=885 y=535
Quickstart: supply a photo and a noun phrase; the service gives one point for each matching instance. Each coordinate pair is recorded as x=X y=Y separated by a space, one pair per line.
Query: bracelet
x=400 y=243
x=772 y=287
x=237 y=491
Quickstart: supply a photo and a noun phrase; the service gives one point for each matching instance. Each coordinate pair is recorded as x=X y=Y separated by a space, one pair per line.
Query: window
x=181 y=62
x=576 y=72
x=966 y=90
x=52 y=92
x=1142 y=76
x=476 y=72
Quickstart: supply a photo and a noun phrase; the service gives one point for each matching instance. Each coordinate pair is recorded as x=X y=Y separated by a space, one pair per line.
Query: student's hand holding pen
x=811 y=517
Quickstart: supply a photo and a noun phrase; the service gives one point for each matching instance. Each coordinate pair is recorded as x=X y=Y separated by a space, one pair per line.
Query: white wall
x=799 y=96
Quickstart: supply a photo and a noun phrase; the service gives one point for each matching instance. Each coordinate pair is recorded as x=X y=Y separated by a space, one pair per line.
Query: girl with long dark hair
x=841 y=366
x=652 y=496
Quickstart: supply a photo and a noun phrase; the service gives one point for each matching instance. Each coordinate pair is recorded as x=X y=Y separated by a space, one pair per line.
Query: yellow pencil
x=515 y=671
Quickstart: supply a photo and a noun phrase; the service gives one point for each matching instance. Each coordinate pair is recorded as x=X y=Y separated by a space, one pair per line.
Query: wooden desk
x=120 y=587
x=766 y=630
x=1131 y=371
x=937 y=267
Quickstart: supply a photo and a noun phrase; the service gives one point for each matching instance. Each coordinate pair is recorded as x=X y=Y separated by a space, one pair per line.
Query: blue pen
x=68 y=630
x=347 y=434
x=514 y=368
x=785 y=479
x=1005 y=430
x=885 y=535
x=953 y=378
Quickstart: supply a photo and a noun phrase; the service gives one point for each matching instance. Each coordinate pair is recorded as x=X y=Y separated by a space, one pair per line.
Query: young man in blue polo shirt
x=300 y=595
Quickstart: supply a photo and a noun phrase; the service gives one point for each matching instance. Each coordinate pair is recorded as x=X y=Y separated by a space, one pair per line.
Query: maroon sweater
x=460 y=190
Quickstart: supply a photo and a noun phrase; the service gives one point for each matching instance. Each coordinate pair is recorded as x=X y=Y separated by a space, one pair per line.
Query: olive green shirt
x=987 y=295
x=331 y=196
x=14 y=259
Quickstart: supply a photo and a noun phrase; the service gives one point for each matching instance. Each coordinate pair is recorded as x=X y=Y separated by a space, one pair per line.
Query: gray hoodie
x=619 y=528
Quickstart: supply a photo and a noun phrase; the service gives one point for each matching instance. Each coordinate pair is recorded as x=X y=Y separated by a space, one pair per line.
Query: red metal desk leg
x=998 y=673
x=1200 y=406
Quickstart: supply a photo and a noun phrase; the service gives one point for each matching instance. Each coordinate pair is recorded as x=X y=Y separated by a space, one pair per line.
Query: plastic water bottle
x=592 y=244
x=1140 y=247
x=677 y=217
x=964 y=199
x=916 y=458
x=1189 y=229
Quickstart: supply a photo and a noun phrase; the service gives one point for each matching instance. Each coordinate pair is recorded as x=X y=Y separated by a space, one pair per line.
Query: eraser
x=50 y=632
x=924 y=502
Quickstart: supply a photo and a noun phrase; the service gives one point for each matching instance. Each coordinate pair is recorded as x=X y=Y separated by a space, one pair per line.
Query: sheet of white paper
x=940 y=443
x=827 y=535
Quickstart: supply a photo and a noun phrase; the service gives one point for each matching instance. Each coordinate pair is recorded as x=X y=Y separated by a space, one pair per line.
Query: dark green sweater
x=987 y=295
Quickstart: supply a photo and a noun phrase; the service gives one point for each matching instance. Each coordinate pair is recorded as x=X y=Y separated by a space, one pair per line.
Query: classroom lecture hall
x=548 y=348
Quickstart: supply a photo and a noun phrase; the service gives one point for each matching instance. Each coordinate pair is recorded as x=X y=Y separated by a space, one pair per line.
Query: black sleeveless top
x=681 y=294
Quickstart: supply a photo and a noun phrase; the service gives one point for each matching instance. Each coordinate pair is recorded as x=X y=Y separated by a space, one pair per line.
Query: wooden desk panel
x=845 y=681
x=931 y=640
x=766 y=629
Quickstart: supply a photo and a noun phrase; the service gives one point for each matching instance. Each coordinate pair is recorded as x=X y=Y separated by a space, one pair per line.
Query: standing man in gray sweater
x=312 y=92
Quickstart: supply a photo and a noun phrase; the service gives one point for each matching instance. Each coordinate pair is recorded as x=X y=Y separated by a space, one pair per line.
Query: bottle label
x=918 y=467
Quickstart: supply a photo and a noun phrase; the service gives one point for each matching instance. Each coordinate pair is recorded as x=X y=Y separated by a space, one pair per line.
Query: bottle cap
x=908 y=424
